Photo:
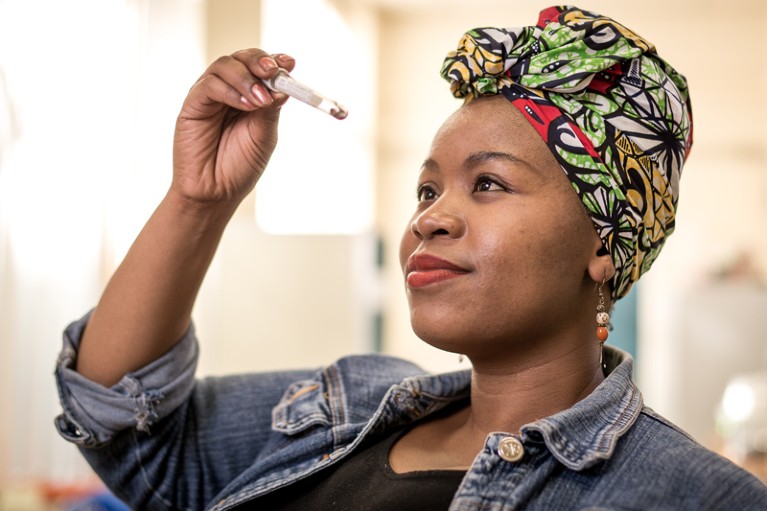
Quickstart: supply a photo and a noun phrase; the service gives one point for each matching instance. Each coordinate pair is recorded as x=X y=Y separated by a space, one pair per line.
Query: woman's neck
x=505 y=397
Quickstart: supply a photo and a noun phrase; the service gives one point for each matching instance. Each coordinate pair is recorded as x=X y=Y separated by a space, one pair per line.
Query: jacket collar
x=588 y=432
x=578 y=437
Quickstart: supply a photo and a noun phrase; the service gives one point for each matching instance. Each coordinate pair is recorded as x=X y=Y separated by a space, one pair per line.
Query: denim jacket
x=162 y=440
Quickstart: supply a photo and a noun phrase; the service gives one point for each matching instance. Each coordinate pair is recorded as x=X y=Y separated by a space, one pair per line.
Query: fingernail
x=245 y=101
x=267 y=63
x=286 y=59
x=264 y=98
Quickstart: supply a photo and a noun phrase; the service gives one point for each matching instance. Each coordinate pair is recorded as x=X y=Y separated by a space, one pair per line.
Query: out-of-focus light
x=739 y=401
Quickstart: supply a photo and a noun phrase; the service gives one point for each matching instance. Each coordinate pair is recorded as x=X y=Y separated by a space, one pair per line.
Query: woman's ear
x=601 y=267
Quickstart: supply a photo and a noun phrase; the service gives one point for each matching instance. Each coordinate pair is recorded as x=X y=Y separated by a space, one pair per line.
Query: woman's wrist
x=198 y=214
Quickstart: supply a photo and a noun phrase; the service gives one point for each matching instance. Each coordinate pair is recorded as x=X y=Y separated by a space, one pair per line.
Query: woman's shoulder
x=667 y=438
x=658 y=446
x=662 y=439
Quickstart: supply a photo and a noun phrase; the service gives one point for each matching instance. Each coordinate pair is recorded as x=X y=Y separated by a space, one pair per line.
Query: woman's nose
x=438 y=220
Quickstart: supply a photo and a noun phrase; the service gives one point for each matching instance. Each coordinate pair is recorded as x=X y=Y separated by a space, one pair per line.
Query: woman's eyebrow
x=480 y=157
x=513 y=163
x=430 y=164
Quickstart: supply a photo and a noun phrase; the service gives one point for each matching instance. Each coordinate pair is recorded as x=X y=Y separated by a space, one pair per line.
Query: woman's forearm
x=225 y=134
x=146 y=307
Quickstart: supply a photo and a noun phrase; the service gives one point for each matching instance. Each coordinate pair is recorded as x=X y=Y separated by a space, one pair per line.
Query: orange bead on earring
x=603 y=318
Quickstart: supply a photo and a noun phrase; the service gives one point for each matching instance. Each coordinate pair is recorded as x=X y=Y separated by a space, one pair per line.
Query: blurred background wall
x=308 y=269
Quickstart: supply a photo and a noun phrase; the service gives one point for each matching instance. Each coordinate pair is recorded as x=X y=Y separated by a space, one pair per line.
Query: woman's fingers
x=247 y=79
x=286 y=62
x=236 y=80
x=263 y=66
x=215 y=90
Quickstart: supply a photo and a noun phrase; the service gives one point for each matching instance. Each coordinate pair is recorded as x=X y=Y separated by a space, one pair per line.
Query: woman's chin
x=442 y=337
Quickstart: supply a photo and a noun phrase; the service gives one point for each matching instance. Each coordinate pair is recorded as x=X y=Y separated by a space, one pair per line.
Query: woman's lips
x=423 y=270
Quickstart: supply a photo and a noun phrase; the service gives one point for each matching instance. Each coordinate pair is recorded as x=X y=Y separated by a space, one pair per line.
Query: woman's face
x=498 y=249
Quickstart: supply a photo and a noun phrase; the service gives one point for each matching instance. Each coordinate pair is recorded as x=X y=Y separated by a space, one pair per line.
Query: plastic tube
x=283 y=82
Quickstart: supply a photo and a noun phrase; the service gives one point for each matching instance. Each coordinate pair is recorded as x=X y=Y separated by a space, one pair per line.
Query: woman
x=502 y=262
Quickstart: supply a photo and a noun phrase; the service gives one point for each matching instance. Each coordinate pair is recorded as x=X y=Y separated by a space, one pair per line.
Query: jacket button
x=511 y=449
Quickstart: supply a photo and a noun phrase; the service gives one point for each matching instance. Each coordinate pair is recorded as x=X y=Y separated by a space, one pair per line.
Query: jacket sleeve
x=159 y=438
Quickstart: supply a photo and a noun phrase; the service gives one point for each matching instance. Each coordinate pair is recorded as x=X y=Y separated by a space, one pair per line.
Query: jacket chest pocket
x=304 y=405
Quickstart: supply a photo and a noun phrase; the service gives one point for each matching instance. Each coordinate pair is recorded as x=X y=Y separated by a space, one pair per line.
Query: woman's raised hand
x=227 y=128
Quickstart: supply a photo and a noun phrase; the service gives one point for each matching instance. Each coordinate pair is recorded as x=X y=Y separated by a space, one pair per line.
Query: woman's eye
x=426 y=193
x=486 y=184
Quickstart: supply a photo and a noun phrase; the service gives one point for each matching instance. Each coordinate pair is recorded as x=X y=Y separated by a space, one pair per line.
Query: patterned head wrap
x=615 y=115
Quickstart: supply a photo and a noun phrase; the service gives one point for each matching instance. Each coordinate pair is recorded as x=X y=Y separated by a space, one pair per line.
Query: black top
x=365 y=482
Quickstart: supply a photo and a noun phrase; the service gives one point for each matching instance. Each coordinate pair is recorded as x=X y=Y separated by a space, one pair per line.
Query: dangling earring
x=603 y=318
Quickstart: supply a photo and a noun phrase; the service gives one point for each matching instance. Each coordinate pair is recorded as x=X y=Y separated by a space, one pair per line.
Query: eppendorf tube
x=283 y=82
